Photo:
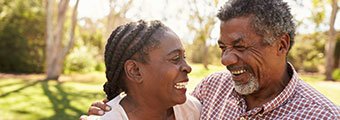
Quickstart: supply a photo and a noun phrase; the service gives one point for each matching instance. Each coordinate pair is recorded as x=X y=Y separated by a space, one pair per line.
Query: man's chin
x=248 y=88
x=243 y=91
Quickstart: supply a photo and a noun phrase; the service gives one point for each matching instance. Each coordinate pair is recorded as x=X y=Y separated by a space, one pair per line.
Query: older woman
x=146 y=74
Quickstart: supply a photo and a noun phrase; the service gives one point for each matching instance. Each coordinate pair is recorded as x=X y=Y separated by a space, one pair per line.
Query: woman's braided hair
x=124 y=42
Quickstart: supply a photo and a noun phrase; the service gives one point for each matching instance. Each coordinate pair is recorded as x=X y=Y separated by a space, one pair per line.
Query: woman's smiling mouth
x=181 y=85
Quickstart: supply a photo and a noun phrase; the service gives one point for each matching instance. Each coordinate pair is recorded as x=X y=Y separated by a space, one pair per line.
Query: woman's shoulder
x=193 y=102
x=190 y=110
x=117 y=112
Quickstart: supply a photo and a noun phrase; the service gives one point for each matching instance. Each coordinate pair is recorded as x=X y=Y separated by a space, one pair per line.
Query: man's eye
x=240 y=48
x=222 y=48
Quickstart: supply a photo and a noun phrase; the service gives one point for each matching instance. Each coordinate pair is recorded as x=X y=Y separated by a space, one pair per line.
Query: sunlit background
x=51 y=74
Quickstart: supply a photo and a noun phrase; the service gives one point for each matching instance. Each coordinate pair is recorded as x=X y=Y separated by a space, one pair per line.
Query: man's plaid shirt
x=297 y=101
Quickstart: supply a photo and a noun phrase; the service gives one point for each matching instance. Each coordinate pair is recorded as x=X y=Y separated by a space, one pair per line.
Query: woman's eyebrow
x=175 y=51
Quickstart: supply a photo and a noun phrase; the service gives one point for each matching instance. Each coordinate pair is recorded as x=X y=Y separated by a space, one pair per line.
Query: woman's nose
x=186 y=67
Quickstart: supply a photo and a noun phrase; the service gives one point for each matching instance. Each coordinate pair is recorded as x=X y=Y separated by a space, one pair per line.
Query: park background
x=51 y=51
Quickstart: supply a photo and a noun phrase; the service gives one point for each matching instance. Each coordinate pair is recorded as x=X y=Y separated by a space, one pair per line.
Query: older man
x=255 y=38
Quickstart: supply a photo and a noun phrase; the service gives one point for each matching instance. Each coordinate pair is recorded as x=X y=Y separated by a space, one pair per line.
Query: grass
x=26 y=97
x=46 y=100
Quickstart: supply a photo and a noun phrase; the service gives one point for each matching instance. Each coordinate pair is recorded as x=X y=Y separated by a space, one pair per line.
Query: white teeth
x=181 y=85
x=238 y=72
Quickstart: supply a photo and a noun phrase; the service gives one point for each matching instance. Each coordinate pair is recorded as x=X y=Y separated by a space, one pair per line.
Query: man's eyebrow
x=237 y=40
x=220 y=42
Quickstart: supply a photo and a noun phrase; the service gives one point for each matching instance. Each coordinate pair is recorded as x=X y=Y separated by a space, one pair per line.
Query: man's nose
x=229 y=58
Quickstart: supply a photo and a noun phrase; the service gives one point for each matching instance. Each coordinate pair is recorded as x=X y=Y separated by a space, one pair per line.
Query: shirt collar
x=287 y=92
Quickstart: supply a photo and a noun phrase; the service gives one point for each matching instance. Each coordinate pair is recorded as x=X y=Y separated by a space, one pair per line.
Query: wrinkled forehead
x=238 y=30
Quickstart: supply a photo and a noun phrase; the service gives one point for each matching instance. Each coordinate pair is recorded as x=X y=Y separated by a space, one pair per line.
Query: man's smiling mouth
x=238 y=72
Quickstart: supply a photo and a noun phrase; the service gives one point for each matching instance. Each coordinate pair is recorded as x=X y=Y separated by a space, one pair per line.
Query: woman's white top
x=190 y=110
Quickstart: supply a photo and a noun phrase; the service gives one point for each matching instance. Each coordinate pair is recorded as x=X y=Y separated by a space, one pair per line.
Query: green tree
x=331 y=42
x=202 y=21
x=87 y=53
x=308 y=52
x=318 y=17
x=21 y=36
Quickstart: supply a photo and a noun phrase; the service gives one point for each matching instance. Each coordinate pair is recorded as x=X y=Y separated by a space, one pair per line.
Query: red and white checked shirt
x=297 y=101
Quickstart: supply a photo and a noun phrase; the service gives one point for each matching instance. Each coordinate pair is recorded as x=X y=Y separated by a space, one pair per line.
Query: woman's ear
x=132 y=71
x=283 y=44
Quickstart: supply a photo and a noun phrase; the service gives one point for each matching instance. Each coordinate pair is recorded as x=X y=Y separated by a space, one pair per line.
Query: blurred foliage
x=100 y=67
x=22 y=40
x=91 y=36
x=195 y=53
x=81 y=59
x=87 y=54
x=203 y=19
x=319 y=12
x=307 y=54
x=22 y=36
x=336 y=74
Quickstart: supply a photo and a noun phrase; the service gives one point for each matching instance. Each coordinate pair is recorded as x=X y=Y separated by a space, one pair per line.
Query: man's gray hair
x=269 y=18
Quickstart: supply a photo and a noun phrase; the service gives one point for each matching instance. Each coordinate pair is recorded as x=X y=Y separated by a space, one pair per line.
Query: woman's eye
x=176 y=59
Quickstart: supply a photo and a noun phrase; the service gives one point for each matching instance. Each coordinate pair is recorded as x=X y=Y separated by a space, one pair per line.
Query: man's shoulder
x=313 y=103
x=310 y=110
x=218 y=79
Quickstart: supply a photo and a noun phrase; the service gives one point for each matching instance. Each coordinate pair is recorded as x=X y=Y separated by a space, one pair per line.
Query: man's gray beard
x=250 y=87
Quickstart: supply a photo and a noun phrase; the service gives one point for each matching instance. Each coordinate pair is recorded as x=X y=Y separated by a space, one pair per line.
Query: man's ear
x=283 y=44
x=132 y=71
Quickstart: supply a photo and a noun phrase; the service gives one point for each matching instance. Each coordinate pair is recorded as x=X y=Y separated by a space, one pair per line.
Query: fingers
x=102 y=105
x=105 y=100
x=83 y=117
x=98 y=108
x=95 y=111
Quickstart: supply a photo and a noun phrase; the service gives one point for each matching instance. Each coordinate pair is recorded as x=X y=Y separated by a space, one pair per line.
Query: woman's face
x=165 y=75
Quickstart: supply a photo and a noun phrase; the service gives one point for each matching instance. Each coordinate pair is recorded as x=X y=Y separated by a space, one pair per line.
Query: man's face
x=251 y=62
